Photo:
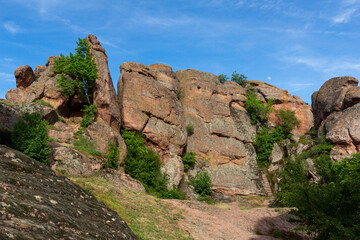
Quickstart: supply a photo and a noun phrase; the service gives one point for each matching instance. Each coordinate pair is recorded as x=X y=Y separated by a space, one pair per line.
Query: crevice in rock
x=353 y=141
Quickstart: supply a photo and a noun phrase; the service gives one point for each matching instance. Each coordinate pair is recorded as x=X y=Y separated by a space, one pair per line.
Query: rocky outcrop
x=337 y=112
x=36 y=203
x=105 y=98
x=150 y=104
x=283 y=100
x=223 y=134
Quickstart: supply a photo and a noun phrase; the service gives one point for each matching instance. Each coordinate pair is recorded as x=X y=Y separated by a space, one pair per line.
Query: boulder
x=330 y=97
x=24 y=76
x=102 y=134
x=105 y=98
x=337 y=111
x=38 y=204
x=283 y=100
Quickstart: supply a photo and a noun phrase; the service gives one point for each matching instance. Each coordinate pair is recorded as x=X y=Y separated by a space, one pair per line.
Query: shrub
x=89 y=115
x=85 y=145
x=238 y=78
x=178 y=94
x=188 y=160
x=288 y=120
x=264 y=143
x=202 y=183
x=223 y=78
x=113 y=155
x=30 y=137
x=258 y=111
x=330 y=207
x=190 y=129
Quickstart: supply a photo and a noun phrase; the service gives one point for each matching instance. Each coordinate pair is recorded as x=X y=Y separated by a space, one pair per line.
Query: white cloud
x=326 y=65
x=12 y=27
x=345 y=16
x=268 y=78
x=7 y=77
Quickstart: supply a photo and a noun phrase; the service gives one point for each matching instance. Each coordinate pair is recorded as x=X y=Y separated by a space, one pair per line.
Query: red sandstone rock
x=283 y=100
x=24 y=76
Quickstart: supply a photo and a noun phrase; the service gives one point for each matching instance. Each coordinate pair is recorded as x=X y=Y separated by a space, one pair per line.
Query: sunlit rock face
x=336 y=110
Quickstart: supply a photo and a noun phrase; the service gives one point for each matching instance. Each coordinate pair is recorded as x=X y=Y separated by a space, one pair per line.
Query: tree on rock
x=78 y=73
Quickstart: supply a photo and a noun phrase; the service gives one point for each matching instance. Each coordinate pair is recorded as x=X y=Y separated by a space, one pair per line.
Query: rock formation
x=283 y=100
x=36 y=203
x=337 y=111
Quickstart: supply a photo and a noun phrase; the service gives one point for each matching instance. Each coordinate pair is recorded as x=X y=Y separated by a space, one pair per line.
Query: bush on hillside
x=258 y=111
x=188 y=160
x=288 y=121
x=238 y=78
x=202 y=183
x=330 y=207
x=31 y=137
x=113 y=155
x=143 y=164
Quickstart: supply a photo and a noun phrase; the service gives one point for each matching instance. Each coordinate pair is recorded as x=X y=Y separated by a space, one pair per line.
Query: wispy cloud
x=345 y=16
x=12 y=27
x=106 y=42
x=326 y=65
x=7 y=77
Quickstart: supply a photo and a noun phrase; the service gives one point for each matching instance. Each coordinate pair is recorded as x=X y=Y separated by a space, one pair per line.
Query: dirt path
x=228 y=222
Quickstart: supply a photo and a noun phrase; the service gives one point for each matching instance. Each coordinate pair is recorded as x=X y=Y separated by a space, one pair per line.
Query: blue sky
x=294 y=45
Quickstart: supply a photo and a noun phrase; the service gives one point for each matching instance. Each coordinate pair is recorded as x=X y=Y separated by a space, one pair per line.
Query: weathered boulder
x=337 y=111
x=223 y=133
x=149 y=103
x=11 y=113
x=102 y=134
x=105 y=98
x=24 y=76
x=330 y=97
x=35 y=203
x=283 y=100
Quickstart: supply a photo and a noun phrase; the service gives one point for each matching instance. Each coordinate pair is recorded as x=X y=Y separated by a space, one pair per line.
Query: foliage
x=178 y=94
x=238 y=78
x=264 y=143
x=144 y=164
x=78 y=72
x=206 y=199
x=288 y=120
x=188 y=160
x=223 y=78
x=85 y=145
x=330 y=207
x=30 y=137
x=202 y=183
x=113 y=155
x=258 y=111
x=89 y=115
x=190 y=129
x=42 y=102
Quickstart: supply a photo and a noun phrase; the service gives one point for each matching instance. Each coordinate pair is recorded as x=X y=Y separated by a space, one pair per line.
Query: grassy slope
x=147 y=216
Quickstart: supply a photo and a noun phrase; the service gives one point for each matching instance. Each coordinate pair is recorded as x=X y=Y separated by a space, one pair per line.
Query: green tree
x=31 y=137
x=202 y=183
x=78 y=72
x=238 y=78
x=188 y=160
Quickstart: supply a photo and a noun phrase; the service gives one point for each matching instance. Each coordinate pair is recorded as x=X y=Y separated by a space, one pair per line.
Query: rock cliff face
x=337 y=112
x=36 y=203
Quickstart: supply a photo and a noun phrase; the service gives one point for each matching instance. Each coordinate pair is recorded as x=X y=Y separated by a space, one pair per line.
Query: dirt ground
x=228 y=221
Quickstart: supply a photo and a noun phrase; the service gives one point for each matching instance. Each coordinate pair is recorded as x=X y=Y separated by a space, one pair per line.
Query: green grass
x=148 y=216
x=85 y=145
